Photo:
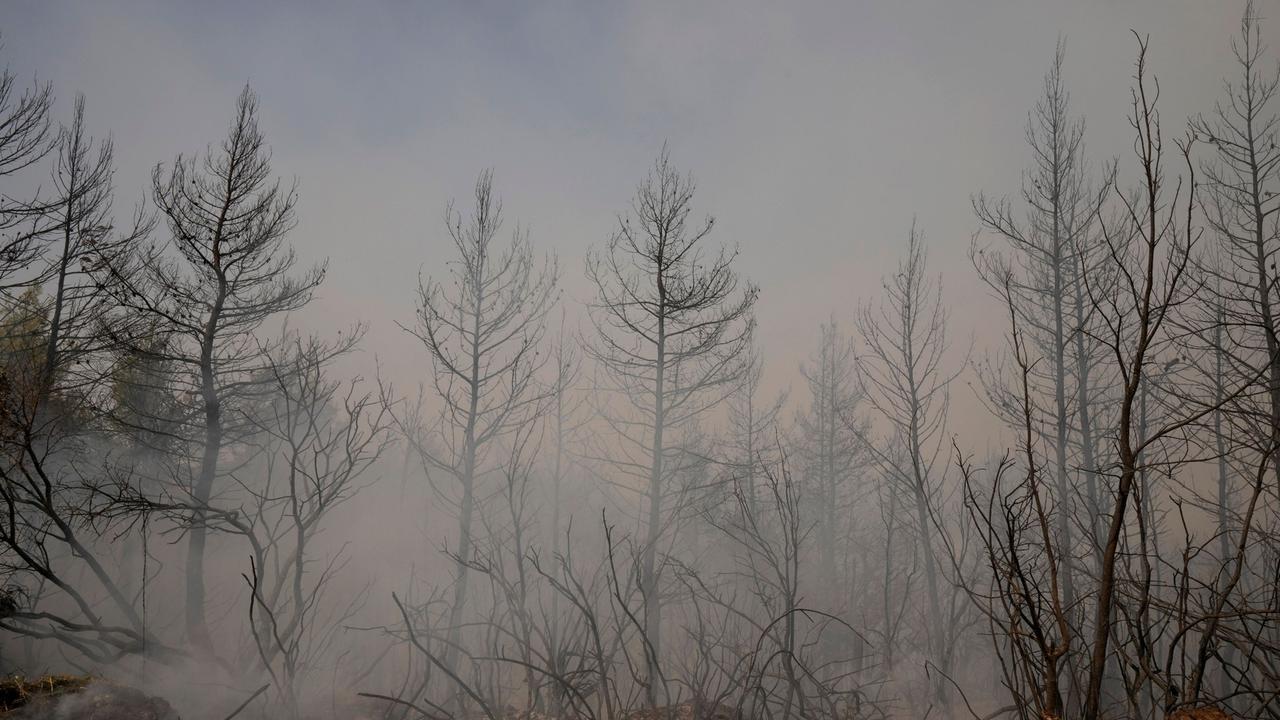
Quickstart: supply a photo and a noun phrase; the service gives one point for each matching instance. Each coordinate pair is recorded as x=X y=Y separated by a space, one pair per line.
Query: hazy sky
x=816 y=131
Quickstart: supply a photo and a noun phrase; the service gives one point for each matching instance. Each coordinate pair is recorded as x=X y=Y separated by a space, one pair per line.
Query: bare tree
x=482 y=332
x=224 y=271
x=1239 y=195
x=830 y=445
x=1050 y=252
x=751 y=419
x=83 y=240
x=1150 y=248
x=1240 y=200
x=1023 y=594
x=567 y=402
x=904 y=374
x=63 y=582
x=672 y=327
x=26 y=137
x=317 y=438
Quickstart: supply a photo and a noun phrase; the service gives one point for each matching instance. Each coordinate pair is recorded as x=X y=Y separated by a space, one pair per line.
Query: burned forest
x=640 y=361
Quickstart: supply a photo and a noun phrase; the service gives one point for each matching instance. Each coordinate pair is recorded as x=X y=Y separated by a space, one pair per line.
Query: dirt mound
x=70 y=697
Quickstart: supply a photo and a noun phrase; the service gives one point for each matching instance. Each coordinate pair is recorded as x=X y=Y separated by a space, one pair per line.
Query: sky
x=816 y=132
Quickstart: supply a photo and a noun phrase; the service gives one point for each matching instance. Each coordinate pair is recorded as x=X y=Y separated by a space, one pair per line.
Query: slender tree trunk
x=1259 y=232
x=1063 y=519
x=197 y=625
x=466 y=507
x=936 y=633
x=889 y=608
x=1084 y=409
x=649 y=579
x=751 y=452
x=1224 y=477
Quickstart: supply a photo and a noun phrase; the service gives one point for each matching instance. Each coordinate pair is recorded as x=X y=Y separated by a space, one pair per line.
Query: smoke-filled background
x=643 y=360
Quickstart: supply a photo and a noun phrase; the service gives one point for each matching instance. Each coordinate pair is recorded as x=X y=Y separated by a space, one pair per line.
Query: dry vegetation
x=635 y=529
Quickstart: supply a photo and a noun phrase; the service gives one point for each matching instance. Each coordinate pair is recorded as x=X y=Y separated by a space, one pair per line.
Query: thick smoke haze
x=731 y=359
x=815 y=133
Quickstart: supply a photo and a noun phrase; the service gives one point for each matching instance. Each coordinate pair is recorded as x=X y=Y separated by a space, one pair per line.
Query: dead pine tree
x=1240 y=196
x=830 y=436
x=904 y=374
x=482 y=329
x=672 y=326
x=224 y=271
x=1049 y=251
